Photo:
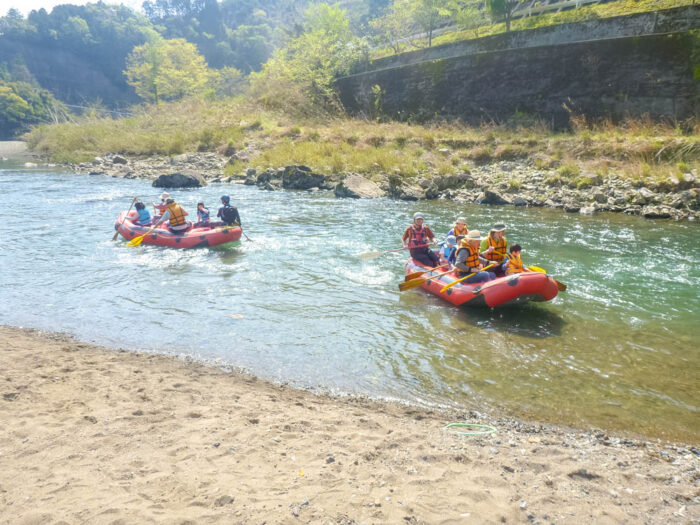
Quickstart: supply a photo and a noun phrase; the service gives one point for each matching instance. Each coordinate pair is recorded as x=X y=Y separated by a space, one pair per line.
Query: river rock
x=519 y=201
x=491 y=197
x=188 y=179
x=437 y=185
x=587 y=210
x=357 y=187
x=656 y=212
x=301 y=178
x=118 y=159
x=571 y=207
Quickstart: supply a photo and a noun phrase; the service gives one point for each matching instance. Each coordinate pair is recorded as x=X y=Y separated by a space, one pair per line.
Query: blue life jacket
x=144 y=216
x=449 y=253
x=202 y=216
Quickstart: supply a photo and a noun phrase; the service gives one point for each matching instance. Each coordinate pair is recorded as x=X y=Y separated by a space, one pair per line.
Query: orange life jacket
x=460 y=232
x=472 y=260
x=499 y=249
x=177 y=214
x=416 y=237
x=515 y=264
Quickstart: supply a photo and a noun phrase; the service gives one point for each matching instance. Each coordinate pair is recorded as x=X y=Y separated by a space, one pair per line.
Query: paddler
x=449 y=249
x=514 y=264
x=160 y=208
x=417 y=237
x=175 y=214
x=469 y=261
x=460 y=229
x=494 y=247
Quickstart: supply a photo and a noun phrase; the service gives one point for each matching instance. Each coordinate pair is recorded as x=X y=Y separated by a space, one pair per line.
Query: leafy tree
x=471 y=17
x=408 y=17
x=167 y=70
x=307 y=66
x=431 y=14
x=394 y=28
x=22 y=105
x=502 y=10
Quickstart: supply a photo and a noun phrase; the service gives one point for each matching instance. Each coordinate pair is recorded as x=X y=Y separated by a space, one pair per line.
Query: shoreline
x=514 y=182
x=93 y=434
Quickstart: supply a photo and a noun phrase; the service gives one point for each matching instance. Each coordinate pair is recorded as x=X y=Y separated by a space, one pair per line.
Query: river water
x=619 y=350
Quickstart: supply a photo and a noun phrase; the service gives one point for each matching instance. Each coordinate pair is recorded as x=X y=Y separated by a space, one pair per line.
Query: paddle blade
x=370 y=255
x=413 y=283
x=560 y=286
x=116 y=234
x=447 y=287
x=537 y=269
x=415 y=275
x=135 y=241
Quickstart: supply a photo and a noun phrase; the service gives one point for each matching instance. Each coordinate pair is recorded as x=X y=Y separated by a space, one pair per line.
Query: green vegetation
x=473 y=24
x=272 y=138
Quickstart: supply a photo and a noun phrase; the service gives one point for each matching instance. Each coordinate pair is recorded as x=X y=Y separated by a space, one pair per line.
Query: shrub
x=569 y=170
x=479 y=154
x=375 y=141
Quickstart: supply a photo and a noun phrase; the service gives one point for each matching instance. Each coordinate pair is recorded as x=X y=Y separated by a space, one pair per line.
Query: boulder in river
x=491 y=197
x=357 y=187
x=301 y=178
x=181 y=179
x=656 y=212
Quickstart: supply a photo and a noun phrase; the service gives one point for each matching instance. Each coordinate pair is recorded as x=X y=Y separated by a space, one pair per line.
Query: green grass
x=635 y=149
x=611 y=9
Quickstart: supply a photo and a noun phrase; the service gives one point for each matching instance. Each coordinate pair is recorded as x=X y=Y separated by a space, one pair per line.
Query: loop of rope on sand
x=485 y=429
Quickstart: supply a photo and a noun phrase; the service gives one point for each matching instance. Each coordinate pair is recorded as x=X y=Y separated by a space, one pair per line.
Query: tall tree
x=167 y=70
x=502 y=10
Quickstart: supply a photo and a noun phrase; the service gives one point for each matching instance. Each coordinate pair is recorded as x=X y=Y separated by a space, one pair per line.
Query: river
x=618 y=350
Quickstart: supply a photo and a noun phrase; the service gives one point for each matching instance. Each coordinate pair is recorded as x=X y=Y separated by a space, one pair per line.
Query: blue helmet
x=225 y=198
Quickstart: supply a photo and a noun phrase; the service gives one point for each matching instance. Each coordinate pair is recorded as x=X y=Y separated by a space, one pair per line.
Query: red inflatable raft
x=192 y=238
x=512 y=289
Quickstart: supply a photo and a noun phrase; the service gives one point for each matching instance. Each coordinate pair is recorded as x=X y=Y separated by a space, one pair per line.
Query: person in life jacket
x=468 y=260
x=514 y=264
x=494 y=247
x=228 y=214
x=460 y=229
x=175 y=215
x=417 y=237
x=202 y=216
x=143 y=216
x=160 y=208
x=449 y=249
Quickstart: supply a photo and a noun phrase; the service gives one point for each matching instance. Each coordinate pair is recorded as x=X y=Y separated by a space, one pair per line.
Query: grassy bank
x=640 y=150
x=580 y=14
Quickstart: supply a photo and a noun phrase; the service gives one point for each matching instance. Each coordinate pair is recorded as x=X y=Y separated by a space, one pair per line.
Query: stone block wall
x=654 y=75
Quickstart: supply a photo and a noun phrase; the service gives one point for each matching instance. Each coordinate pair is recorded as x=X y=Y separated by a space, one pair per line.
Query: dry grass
x=636 y=148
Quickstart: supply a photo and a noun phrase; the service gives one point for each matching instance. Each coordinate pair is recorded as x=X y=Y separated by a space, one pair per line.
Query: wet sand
x=93 y=435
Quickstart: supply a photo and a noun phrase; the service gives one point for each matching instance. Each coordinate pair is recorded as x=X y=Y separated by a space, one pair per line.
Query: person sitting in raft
x=417 y=237
x=160 y=208
x=469 y=261
x=228 y=214
x=514 y=264
x=494 y=246
x=460 y=229
x=202 y=216
x=175 y=214
x=144 y=217
x=449 y=249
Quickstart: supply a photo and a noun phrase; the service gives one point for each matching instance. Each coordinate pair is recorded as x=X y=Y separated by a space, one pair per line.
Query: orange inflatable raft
x=192 y=238
x=512 y=289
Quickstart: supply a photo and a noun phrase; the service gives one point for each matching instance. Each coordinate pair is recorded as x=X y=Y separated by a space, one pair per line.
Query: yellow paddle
x=464 y=278
x=415 y=283
x=415 y=275
x=560 y=286
x=138 y=240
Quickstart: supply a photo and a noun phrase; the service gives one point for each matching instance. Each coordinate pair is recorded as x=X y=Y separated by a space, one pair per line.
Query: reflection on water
x=617 y=350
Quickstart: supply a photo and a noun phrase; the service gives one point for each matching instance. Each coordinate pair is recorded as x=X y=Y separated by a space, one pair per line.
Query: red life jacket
x=417 y=238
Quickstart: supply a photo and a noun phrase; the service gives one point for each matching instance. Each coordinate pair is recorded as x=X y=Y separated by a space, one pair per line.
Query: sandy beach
x=93 y=435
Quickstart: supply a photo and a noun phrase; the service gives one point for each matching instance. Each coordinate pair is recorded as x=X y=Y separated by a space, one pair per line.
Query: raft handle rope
x=484 y=429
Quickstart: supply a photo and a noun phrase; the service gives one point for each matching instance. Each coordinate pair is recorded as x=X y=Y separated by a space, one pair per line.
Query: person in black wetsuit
x=227 y=213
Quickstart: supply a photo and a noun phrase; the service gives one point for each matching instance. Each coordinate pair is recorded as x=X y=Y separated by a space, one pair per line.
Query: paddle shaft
x=415 y=275
x=116 y=234
x=444 y=288
x=415 y=283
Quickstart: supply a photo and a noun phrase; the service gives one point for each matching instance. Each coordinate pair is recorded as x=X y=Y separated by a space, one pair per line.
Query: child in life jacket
x=144 y=217
x=514 y=264
x=202 y=216
x=449 y=249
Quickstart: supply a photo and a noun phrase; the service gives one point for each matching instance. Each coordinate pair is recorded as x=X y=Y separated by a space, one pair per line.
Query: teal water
x=618 y=350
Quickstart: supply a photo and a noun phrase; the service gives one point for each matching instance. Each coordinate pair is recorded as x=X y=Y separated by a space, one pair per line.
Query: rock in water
x=357 y=187
x=184 y=179
x=301 y=178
